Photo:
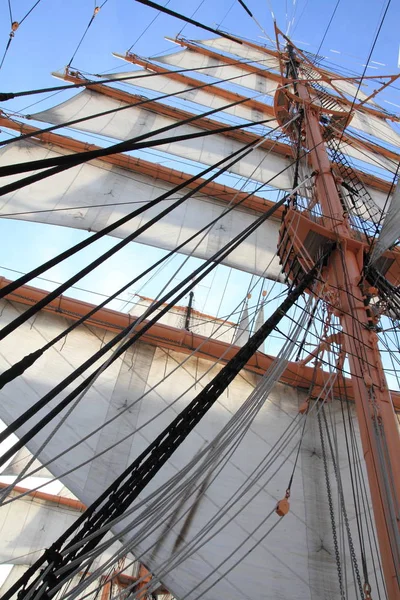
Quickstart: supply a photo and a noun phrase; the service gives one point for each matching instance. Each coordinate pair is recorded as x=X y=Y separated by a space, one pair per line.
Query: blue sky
x=47 y=39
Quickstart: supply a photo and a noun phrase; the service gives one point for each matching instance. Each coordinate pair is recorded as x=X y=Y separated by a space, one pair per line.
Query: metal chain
x=331 y=510
x=344 y=511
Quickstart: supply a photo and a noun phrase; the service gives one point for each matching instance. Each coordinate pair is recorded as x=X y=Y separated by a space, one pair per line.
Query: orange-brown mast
x=344 y=295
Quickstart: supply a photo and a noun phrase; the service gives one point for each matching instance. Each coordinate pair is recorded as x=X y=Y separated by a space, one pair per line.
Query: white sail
x=243 y=51
x=290 y=559
x=100 y=184
x=205 y=96
x=390 y=231
x=367 y=123
x=186 y=59
x=376 y=127
x=242 y=332
x=261 y=165
x=30 y=524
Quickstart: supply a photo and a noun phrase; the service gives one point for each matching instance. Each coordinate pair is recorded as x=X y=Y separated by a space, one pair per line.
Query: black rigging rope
x=106 y=230
x=20 y=367
x=190 y=282
x=126 y=488
x=7 y=329
x=172 y=13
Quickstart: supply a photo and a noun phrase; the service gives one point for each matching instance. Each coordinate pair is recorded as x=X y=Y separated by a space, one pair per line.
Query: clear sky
x=48 y=37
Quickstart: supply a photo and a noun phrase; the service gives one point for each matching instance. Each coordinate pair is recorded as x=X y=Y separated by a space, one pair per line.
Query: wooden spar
x=182 y=341
x=53 y=498
x=377 y=421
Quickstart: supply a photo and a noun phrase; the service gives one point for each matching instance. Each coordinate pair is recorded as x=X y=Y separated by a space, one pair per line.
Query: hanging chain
x=353 y=555
x=331 y=510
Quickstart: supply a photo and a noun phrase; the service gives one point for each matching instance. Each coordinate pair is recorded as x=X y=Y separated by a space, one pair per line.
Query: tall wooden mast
x=345 y=295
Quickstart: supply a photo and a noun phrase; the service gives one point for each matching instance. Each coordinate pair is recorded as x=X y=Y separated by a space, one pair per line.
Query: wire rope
x=15 y=482
x=257 y=477
x=95 y=13
x=172 y=13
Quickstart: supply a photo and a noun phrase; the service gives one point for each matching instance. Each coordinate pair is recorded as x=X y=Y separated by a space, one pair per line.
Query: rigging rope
x=7 y=329
x=172 y=13
x=95 y=13
x=106 y=230
x=190 y=280
x=191 y=16
x=14 y=26
x=120 y=495
x=327 y=27
x=148 y=27
x=331 y=511
x=19 y=368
